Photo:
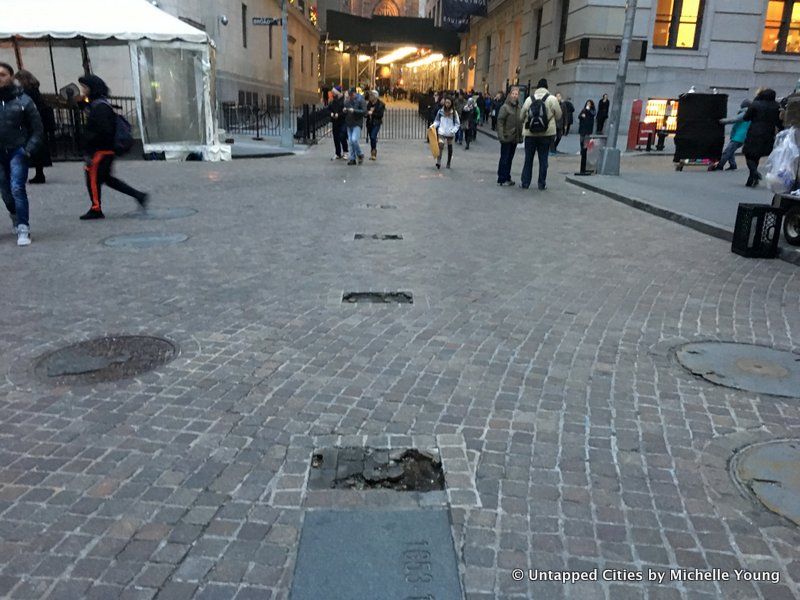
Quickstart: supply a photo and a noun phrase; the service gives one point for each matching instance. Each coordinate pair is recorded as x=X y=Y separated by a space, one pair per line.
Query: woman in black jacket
x=602 y=113
x=99 y=133
x=764 y=117
x=585 y=129
x=41 y=158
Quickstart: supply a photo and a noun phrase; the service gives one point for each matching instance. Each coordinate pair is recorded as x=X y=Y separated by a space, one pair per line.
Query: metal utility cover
x=365 y=555
x=771 y=472
x=164 y=214
x=145 y=240
x=744 y=366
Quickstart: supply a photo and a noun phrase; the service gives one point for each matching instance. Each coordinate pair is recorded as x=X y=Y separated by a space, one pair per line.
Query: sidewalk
x=244 y=146
x=705 y=201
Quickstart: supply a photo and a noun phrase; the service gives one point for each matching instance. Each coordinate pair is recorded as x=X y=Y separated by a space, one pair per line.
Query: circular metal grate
x=145 y=240
x=744 y=367
x=770 y=472
x=105 y=359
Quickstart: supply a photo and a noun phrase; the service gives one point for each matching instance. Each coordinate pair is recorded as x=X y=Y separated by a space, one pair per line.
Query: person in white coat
x=447 y=124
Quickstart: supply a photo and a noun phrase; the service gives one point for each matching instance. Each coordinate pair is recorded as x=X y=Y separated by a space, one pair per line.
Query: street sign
x=266 y=21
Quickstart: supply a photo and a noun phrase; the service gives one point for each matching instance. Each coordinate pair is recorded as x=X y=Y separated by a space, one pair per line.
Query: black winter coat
x=20 y=123
x=376 y=118
x=602 y=108
x=335 y=107
x=586 y=121
x=764 y=117
x=41 y=158
x=101 y=126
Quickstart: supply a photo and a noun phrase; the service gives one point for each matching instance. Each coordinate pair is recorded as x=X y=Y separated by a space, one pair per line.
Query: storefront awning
x=93 y=19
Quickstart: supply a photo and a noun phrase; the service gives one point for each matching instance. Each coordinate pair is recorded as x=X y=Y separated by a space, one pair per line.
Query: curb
x=264 y=155
x=785 y=253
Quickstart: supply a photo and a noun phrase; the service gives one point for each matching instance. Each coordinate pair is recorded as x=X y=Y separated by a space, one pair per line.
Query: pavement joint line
x=787 y=254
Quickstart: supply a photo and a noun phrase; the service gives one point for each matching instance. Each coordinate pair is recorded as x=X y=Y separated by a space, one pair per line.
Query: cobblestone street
x=537 y=356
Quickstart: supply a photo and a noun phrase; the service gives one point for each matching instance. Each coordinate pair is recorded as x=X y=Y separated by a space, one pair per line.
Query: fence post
x=314 y=121
x=258 y=137
x=305 y=123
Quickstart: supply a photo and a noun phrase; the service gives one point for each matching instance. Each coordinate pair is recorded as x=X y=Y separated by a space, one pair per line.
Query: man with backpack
x=541 y=112
x=106 y=134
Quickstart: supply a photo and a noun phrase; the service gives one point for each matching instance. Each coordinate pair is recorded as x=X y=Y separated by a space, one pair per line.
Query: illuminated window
x=782 y=27
x=678 y=24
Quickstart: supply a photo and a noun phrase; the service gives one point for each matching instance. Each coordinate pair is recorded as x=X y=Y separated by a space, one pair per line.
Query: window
x=538 y=39
x=244 y=25
x=311 y=63
x=302 y=59
x=562 y=28
x=488 y=56
x=678 y=24
x=782 y=27
x=270 y=42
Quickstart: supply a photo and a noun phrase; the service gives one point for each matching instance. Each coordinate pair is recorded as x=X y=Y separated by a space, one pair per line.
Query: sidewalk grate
x=378 y=236
x=378 y=297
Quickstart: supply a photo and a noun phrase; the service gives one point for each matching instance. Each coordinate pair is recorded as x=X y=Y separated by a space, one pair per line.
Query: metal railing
x=66 y=140
x=309 y=122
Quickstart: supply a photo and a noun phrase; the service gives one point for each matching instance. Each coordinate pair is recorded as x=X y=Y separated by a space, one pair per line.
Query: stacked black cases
x=699 y=133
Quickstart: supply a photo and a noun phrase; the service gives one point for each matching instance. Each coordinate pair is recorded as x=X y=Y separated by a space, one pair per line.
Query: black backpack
x=123 y=132
x=538 y=119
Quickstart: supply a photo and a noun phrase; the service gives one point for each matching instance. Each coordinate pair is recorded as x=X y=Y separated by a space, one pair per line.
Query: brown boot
x=373 y=155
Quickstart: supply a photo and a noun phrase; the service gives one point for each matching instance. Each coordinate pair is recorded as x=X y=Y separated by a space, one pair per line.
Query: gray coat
x=20 y=123
x=359 y=106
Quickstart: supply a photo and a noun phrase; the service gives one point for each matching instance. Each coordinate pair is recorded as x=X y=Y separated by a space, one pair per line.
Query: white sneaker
x=23 y=235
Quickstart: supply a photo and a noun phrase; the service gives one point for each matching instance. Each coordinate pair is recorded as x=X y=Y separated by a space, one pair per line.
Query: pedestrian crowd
x=26 y=126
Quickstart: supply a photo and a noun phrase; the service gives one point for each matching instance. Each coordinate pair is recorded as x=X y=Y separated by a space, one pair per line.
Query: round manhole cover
x=145 y=240
x=105 y=359
x=163 y=214
x=771 y=473
x=744 y=367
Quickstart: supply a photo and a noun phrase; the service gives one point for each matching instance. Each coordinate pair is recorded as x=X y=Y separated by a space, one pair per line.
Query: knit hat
x=337 y=90
x=745 y=103
x=96 y=86
x=542 y=83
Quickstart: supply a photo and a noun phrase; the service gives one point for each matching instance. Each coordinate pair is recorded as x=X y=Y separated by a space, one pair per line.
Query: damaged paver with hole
x=744 y=367
x=771 y=472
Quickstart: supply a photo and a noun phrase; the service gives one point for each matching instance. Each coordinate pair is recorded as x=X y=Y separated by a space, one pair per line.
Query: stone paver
x=539 y=354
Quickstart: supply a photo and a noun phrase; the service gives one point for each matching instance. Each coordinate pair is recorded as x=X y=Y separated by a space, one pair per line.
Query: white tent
x=170 y=63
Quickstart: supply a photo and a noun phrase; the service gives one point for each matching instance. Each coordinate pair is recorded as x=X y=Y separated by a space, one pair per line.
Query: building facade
x=733 y=46
x=384 y=8
x=249 y=63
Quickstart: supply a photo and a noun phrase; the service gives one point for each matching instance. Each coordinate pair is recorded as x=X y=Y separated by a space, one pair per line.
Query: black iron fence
x=66 y=139
x=309 y=122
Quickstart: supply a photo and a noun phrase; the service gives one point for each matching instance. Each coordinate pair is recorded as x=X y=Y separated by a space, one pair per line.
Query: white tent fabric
x=93 y=19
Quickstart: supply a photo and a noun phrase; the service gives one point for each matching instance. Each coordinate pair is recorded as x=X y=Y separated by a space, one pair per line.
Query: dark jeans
x=536 y=145
x=507 y=151
x=728 y=154
x=340 y=140
x=752 y=165
x=601 y=121
x=373 y=135
x=98 y=173
x=556 y=140
x=13 y=175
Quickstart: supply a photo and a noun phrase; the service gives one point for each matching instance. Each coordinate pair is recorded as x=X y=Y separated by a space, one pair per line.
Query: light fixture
x=363 y=57
x=431 y=58
x=223 y=19
x=395 y=55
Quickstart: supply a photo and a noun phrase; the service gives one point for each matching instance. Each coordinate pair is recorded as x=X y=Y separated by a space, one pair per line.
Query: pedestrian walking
x=375 y=110
x=21 y=133
x=497 y=104
x=738 y=135
x=446 y=124
x=602 y=113
x=338 y=127
x=509 y=132
x=764 y=117
x=469 y=121
x=100 y=136
x=559 y=125
x=540 y=114
x=585 y=128
x=459 y=102
x=486 y=108
x=354 y=109
x=569 y=117
x=41 y=158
